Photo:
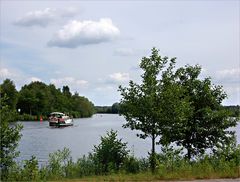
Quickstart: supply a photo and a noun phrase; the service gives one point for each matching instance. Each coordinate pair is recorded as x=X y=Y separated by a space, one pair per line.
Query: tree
x=115 y=108
x=66 y=91
x=110 y=153
x=148 y=106
x=206 y=122
x=8 y=88
x=10 y=135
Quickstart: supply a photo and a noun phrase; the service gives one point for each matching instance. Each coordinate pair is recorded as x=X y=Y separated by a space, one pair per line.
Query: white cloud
x=77 y=33
x=5 y=73
x=119 y=77
x=37 y=18
x=70 y=81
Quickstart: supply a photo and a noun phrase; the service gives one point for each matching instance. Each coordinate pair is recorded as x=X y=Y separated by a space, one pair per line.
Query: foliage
x=38 y=99
x=234 y=110
x=114 y=109
x=9 y=135
x=30 y=170
x=205 y=123
x=58 y=162
x=148 y=106
x=110 y=154
x=8 y=89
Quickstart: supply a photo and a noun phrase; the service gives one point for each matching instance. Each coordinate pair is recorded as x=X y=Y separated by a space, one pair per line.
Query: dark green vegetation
x=173 y=107
x=10 y=135
x=234 y=110
x=38 y=99
x=114 y=109
x=178 y=106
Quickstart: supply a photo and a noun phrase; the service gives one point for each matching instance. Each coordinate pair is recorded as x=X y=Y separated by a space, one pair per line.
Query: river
x=39 y=139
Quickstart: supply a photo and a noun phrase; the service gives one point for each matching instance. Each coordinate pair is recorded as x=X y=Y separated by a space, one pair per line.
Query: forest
x=38 y=99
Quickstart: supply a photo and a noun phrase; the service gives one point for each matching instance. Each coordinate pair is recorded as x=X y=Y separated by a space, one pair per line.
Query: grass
x=148 y=176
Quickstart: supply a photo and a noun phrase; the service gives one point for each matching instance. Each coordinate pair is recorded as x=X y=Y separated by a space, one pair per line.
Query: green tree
x=148 y=106
x=8 y=88
x=115 y=108
x=110 y=153
x=66 y=91
x=10 y=135
x=206 y=123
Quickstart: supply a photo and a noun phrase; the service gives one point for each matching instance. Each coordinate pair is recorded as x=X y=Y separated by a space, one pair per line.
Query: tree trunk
x=189 y=155
x=153 y=155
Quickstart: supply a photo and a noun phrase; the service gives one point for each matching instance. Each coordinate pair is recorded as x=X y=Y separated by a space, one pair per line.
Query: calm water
x=39 y=139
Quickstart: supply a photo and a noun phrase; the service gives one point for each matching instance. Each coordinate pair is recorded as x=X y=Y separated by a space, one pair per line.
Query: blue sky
x=95 y=46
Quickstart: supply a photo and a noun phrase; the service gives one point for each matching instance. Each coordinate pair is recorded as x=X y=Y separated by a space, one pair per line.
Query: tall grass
x=170 y=166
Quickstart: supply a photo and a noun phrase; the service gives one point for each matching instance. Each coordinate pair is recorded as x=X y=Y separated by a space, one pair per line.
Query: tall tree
x=146 y=106
x=206 y=122
x=8 y=88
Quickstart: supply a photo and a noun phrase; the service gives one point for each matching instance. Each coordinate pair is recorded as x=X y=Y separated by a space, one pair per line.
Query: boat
x=60 y=119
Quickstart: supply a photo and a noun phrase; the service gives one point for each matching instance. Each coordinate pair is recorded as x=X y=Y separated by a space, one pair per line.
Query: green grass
x=148 y=176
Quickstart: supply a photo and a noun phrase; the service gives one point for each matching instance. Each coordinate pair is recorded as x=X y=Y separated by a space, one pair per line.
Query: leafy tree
x=8 y=88
x=148 y=106
x=206 y=122
x=10 y=135
x=115 y=108
x=37 y=98
x=110 y=153
x=66 y=91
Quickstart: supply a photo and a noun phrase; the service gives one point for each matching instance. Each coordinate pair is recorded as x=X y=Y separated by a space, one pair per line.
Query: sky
x=95 y=46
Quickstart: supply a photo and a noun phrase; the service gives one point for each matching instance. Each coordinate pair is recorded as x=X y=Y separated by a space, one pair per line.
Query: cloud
x=228 y=75
x=5 y=73
x=37 y=18
x=77 y=33
x=119 y=77
x=70 y=81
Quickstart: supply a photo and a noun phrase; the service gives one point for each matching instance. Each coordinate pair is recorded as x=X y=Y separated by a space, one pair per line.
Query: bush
x=58 y=163
x=110 y=154
x=132 y=165
x=30 y=170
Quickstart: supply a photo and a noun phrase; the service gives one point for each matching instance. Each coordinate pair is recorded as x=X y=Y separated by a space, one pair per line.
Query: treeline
x=38 y=99
x=114 y=109
x=234 y=110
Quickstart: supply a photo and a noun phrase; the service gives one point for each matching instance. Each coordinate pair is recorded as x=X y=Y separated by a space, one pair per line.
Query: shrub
x=110 y=154
x=58 y=163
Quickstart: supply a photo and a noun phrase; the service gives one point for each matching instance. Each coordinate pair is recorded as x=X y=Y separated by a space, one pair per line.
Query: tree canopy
x=177 y=106
x=147 y=106
x=206 y=122
x=37 y=98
